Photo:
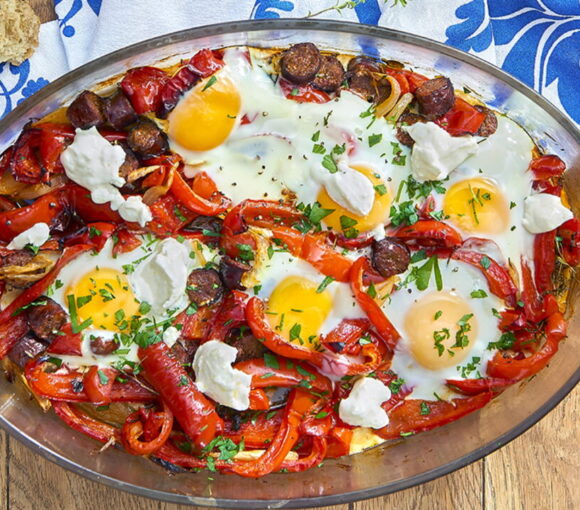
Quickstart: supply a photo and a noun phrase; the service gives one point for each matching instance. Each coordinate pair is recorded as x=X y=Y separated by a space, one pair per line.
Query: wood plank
x=539 y=469
x=4 y=469
x=44 y=9
x=462 y=489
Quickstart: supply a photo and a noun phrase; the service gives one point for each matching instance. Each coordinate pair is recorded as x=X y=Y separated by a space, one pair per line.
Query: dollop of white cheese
x=93 y=163
x=170 y=336
x=363 y=408
x=436 y=153
x=215 y=376
x=544 y=212
x=161 y=279
x=350 y=189
x=36 y=235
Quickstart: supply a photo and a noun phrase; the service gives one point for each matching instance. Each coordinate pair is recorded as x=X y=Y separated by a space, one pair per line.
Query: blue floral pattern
x=269 y=9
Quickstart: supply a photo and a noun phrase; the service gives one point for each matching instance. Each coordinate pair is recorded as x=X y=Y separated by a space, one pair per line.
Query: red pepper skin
x=126 y=242
x=408 y=80
x=231 y=314
x=52 y=143
x=339 y=442
x=303 y=93
x=499 y=280
x=257 y=433
x=476 y=386
x=544 y=260
x=462 y=119
x=191 y=409
x=46 y=209
x=260 y=213
x=82 y=422
x=206 y=62
x=407 y=417
x=299 y=403
x=80 y=201
x=518 y=369
x=11 y=331
x=534 y=306
x=67 y=343
x=194 y=202
x=382 y=324
x=25 y=165
x=98 y=383
x=165 y=222
x=569 y=232
x=313 y=459
x=142 y=86
x=256 y=318
x=429 y=233
x=259 y=401
x=547 y=167
x=39 y=288
x=134 y=428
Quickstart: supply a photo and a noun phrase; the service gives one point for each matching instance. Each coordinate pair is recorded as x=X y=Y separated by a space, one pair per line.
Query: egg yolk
x=477 y=205
x=376 y=216
x=296 y=311
x=100 y=294
x=440 y=327
x=206 y=115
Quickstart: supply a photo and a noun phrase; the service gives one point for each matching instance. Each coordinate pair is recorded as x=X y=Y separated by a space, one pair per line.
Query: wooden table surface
x=538 y=471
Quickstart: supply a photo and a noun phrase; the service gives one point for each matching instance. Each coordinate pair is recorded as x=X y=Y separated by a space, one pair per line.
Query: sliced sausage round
x=232 y=271
x=435 y=97
x=184 y=351
x=407 y=119
x=147 y=140
x=390 y=257
x=362 y=63
x=25 y=349
x=330 y=75
x=87 y=110
x=300 y=63
x=17 y=258
x=204 y=286
x=46 y=320
x=119 y=110
x=103 y=346
x=363 y=79
x=489 y=125
x=211 y=224
x=248 y=346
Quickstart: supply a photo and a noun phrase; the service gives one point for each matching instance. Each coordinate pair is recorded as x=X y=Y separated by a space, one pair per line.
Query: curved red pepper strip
x=429 y=233
x=476 y=386
x=231 y=314
x=256 y=318
x=315 y=457
x=133 y=429
x=569 y=232
x=373 y=311
x=11 y=332
x=46 y=209
x=259 y=401
x=96 y=234
x=547 y=167
x=196 y=326
x=68 y=386
x=518 y=369
x=98 y=384
x=302 y=93
x=339 y=440
x=408 y=416
x=299 y=403
x=344 y=338
x=256 y=433
x=126 y=242
x=80 y=201
x=80 y=421
x=534 y=309
x=499 y=280
x=287 y=375
x=544 y=260
x=165 y=222
x=260 y=213
x=39 y=288
x=142 y=85
x=195 y=203
x=191 y=409
x=169 y=453
x=66 y=342
x=461 y=119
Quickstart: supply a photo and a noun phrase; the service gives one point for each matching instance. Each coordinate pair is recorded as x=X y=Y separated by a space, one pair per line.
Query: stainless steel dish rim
x=296 y=24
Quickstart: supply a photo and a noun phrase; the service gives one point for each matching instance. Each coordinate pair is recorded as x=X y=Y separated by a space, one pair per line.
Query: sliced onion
x=24 y=191
x=387 y=105
x=156 y=192
x=141 y=172
x=399 y=108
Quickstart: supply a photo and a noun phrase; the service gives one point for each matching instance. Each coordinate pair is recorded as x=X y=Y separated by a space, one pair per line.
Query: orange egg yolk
x=100 y=294
x=206 y=115
x=376 y=216
x=296 y=311
x=441 y=328
x=477 y=205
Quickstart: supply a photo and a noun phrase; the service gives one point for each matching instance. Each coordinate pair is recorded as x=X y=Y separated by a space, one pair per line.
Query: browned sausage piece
x=146 y=140
x=87 y=110
x=390 y=257
x=330 y=75
x=25 y=349
x=489 y=124
x=232 y=271
x=130 y=164
x=362 y=63
x=435 y=97
x=300 y=63
x=363 y=79
x=119 y=110
x=205 y=224
x=407 y=119
x=248 y=346
x=46 y=320
x=17 y=258
x=204 y=287
x=184 y=351
x=103 y=346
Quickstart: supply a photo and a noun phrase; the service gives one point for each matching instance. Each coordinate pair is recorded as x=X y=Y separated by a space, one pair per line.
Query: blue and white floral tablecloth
x=537 y=41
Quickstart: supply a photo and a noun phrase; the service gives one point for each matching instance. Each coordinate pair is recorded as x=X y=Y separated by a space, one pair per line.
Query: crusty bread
x=19 y=28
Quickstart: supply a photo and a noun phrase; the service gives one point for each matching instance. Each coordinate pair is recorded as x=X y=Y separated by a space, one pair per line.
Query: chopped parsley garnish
x=325 y=283
x=395 y=385
x=381 y=189
x=271 y=361
x=424 y=409
x=209 y=83
x=295 y=331
x=471 y=367
x=485 y=262
x=74 y=318
x=313 y=215
x=179 y=215
x=103 y=379
x=461 y=338
x=506 y=341
x=347 y=225
x=479 y=293
x=404 y=213
x=375 y=139
x=245 y=252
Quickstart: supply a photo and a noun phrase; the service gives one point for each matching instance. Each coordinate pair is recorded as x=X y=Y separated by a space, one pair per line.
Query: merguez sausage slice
x=435 y=97
x=204 y=286
x=330 y=75
x=87 y=110
x=300 y=63
x=390 y=257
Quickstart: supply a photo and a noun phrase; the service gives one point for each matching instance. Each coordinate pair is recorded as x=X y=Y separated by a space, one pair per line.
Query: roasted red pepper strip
x=429 y=233
x=46 y=209
x=98 y=384
x=25 y=165
x=256 y=433
x=194 y=202
x=462 y=119
x=569 y=234
x=231 y=314
x=314 y=458
x=518 y=369
x=303 y=93
x=11 y=331
x=82 y=422
x=52 y=143
x=534 y=310
x=133 y=429
x=80 y=201
x=260 y=213
x=126 y=241
x=544 y=260
x=299 y=403
x=191 y=409
x=165 y=220
x=196 y=325
x=499 y=280
x=408 y=416
x=339 y=442
x=39 y=288
x=547 y=167
x=68 y=386
x=373 y=311
x=476 y=386
x=142 y=86
x=66 y=342
x=259 y=401
x=256 y=318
